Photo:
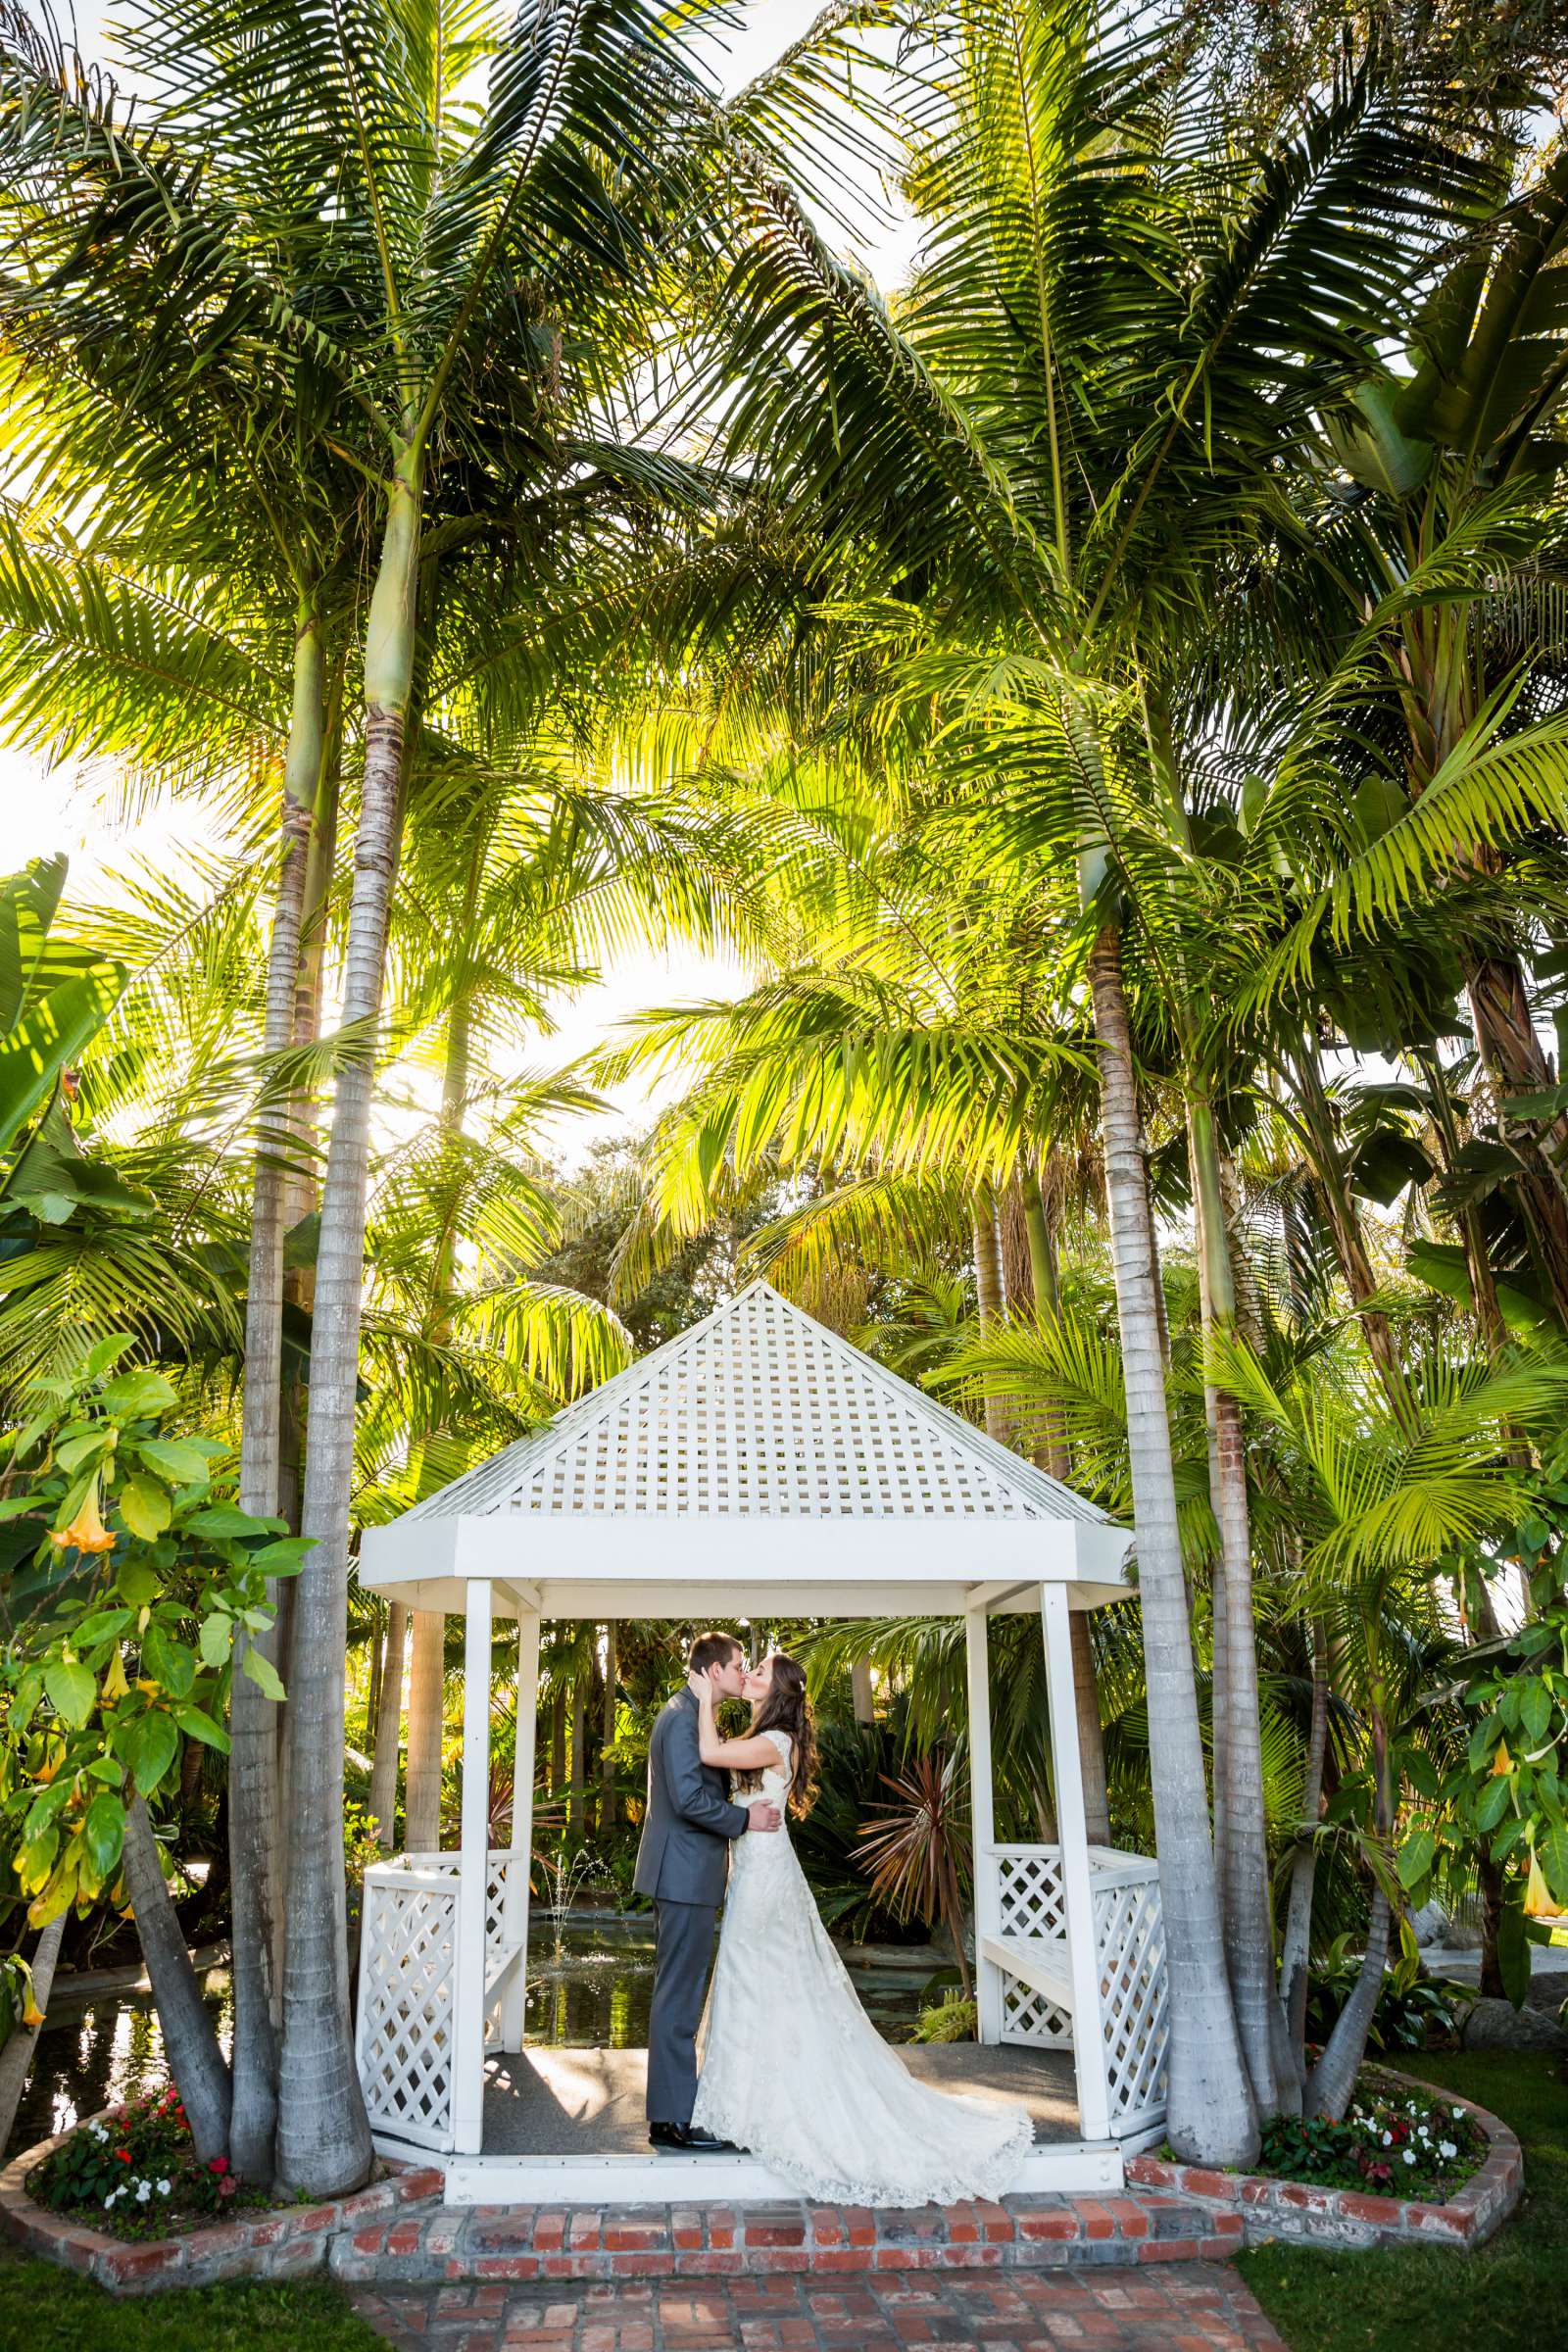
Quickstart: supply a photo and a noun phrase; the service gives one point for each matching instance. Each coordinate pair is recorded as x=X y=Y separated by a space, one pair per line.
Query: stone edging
x=281 y=2244
x=1347 y=2217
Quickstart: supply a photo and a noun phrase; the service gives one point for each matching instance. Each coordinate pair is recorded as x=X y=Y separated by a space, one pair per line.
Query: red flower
x=219 y=2165
x=123 y=2154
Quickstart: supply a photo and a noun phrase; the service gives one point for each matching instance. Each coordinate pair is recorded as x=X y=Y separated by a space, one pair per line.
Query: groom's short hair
x=713 y=1649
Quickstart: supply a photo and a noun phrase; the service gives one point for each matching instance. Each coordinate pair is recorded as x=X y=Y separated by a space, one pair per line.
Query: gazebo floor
x=589 y=2102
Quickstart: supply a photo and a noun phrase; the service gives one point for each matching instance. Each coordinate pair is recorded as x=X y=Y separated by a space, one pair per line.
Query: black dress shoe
x=687 y=2140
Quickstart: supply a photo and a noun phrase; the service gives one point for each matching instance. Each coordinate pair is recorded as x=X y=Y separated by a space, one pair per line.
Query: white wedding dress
x=794 y=2070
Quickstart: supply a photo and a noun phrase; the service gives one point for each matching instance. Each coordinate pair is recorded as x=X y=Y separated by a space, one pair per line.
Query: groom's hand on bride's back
x=762 y=1815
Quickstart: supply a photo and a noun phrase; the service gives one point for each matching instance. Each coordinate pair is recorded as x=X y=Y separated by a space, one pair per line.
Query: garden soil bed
x=284 y=2242
x=1310 y=2214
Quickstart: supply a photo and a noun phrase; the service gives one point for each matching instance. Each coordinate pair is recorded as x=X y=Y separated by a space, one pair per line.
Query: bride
x=793 y=2069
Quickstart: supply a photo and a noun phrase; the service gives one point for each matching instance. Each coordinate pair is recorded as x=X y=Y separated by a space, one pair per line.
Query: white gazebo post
x=1077 y=1884
x=473 y=1877
x=983 y=1825
x=515 y=2001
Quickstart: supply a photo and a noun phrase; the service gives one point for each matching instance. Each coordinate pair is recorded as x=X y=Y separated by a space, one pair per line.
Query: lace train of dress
x=794 y=2070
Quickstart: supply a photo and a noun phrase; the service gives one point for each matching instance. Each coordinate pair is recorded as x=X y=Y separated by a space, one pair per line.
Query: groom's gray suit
x=682 y=1863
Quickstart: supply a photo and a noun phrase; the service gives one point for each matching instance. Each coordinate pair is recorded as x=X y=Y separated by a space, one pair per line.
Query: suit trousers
x=682 y=1953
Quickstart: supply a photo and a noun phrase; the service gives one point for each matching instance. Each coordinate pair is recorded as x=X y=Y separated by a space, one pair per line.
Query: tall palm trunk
x=1332 y=2079
x=302 y=1198
x=253 y=1794
x=578 y=1785
x=373 y=1686
x=607 y=1761
x=190 y=2039
x=1517 y=1063
x=1211 y=2117
x=990 y=1294
x=1240 y=1819
x=388 y=1726
x=429 y=1632
x=16 y=2058
x=324 y=2137
x=1296 y=1943
x=1248 y=1301
x=1345 y=1224
x=1052 y=1455
x=421 y=1787
x=862 y=1693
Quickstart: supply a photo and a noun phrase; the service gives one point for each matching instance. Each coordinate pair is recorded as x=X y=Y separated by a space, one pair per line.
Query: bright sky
x=43 y=810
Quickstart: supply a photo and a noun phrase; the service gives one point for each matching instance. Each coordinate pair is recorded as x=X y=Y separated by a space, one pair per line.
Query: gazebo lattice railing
x=1022 y=1888
x=408 y=1967
x=408 y=1986
x=757 y=1464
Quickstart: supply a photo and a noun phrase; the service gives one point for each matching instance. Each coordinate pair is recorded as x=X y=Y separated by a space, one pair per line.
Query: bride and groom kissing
x=792 y=2071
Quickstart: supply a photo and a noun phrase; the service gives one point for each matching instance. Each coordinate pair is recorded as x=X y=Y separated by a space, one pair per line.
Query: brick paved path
x=1187 y=2307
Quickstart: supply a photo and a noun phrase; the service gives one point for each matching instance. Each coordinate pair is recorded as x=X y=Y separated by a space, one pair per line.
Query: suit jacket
x=684 y=1853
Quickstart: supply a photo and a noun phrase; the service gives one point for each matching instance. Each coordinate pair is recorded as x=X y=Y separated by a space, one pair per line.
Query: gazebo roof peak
x=758 y=1411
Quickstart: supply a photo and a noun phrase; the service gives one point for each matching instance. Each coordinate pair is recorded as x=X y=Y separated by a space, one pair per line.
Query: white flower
x=109 y=2200
x=1388 y=2139
x=1446 y=2149
x=1425 y=2133
x=97 y=2130
x=1459 y=2115
x=144 y=2190
x=162 y=2189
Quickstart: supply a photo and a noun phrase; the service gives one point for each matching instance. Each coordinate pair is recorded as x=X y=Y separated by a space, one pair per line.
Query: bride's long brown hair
x=787 y=1708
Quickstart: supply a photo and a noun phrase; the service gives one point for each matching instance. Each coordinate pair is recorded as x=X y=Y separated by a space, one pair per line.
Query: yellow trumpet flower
x=33 y=2015
x=1538 y=1899
x=115 y=1685
x=1501 y=1762
x=86 y=1531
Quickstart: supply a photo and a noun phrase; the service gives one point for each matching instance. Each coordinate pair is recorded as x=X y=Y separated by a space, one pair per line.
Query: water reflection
x=589 y=1982
x=101 y=2054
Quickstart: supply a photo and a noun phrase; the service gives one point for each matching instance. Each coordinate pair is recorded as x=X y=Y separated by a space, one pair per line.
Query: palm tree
x=437 y=219
x=1055 y=444
x=1381 y=1511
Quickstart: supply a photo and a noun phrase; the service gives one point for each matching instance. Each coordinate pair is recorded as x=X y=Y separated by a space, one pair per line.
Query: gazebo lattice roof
x=722 y=1442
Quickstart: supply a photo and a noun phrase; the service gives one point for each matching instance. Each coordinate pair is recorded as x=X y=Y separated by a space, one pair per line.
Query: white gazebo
x=758 y=1465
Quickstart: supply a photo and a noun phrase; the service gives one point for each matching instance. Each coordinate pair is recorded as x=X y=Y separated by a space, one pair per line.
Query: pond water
x=590 y=1978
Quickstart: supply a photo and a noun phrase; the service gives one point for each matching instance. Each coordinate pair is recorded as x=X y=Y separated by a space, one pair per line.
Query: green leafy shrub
x=134 y=2173
x=1506 y=1794
x=951 y=2019
x=134 y=1591
x=1414 y=2012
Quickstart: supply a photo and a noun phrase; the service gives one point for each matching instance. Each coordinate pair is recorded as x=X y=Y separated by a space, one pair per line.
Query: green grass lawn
x=45 y=2309
x=1512 y=2296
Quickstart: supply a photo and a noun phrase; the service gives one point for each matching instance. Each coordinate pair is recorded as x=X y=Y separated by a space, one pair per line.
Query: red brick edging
x=398 y=2230
x=281 y=2244
x=1347 y=2217
x=726 y=2241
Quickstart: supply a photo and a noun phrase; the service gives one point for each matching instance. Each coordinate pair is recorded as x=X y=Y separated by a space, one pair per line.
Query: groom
x=682 y=1863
